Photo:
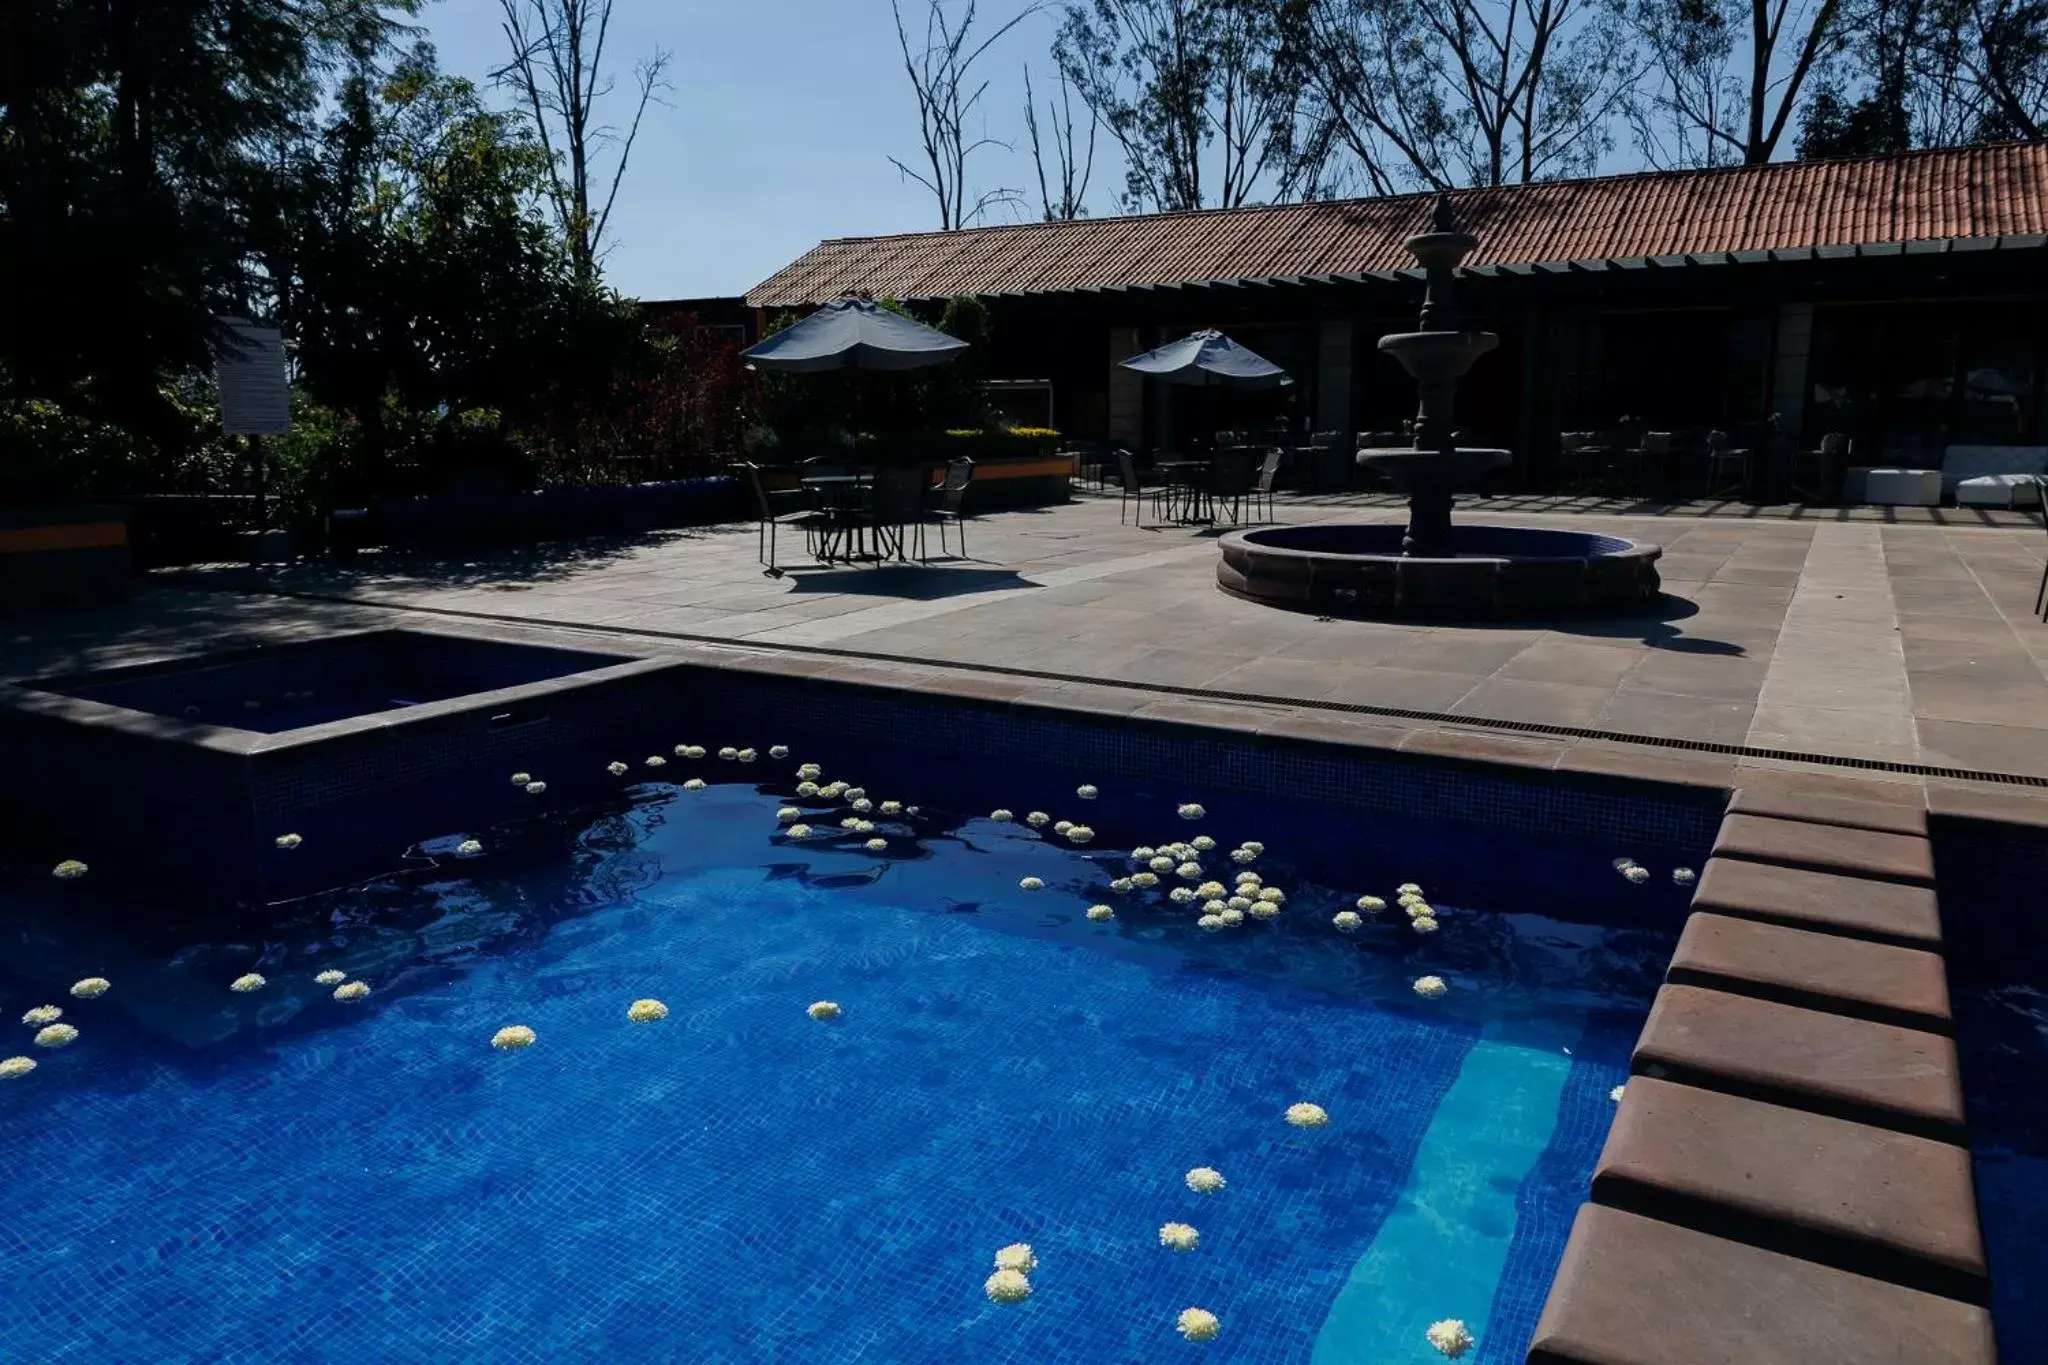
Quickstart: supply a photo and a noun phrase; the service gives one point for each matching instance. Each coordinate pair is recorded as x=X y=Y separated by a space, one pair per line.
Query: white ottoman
x=1903 y=487
x=1999 y=490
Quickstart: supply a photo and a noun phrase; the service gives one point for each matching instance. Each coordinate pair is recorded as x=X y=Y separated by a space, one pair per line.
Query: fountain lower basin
x=1499 y=573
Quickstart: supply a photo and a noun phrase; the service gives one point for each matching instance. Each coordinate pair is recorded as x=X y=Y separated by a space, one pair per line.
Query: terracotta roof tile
x=1915 y=196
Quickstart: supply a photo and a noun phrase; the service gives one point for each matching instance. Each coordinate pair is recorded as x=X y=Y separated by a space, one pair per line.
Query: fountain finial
x=1443 y=220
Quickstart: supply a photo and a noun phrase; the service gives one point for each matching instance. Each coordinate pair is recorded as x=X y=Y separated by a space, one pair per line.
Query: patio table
x=843 y=498
x=1187 y=491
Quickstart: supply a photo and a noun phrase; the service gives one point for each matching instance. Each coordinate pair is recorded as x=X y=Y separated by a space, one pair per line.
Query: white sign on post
x=255 y=397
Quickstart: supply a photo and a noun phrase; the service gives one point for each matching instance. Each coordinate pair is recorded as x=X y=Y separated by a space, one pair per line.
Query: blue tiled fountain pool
x=212 y=1175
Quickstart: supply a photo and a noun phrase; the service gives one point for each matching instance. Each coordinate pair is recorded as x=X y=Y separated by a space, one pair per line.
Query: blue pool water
x=206 y=1176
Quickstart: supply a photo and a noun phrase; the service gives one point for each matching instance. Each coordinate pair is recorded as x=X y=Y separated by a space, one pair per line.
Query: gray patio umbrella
x=1210 y=358
x=853 y=334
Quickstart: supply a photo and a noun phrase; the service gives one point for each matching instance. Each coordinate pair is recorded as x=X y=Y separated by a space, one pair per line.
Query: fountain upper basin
x=1500 y=573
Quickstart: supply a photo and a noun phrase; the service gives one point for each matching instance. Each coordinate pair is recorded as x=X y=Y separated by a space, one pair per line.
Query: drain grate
x=1524 y=727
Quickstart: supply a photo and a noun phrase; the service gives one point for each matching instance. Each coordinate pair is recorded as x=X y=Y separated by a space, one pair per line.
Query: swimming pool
x=252 y=1177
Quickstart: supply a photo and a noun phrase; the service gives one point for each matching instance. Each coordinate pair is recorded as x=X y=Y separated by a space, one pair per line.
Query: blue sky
x=777 y=132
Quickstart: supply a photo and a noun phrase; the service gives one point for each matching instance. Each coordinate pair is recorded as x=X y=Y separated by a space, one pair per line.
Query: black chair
x=1727 y=465
x=1133 y=487
x=1815 y=473
x=946 y=502
x=1268 y=475
x=2041 y=499
x=896 y=509
x=1231 y=479
x=776 y=514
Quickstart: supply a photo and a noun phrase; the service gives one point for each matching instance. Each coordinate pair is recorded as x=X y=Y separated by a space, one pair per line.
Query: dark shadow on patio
x=914 y=582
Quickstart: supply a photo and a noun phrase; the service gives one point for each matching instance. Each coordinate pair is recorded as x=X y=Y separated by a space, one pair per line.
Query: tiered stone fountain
x=1432 y=570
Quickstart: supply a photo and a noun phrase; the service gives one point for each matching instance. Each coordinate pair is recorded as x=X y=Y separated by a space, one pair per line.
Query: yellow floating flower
x=1201 y=843
x=833 y=791
x=1450 y=1337
x=823 y=1009
x=1347 y=921
x=1007 y=1286
x=1430 y=987
x=468 y=848
x=1032 y=884
x=244 y=985
x=521 y=779
x=91 y=988
x=1099 y=913
x=288 y=842
x=1253 y=847
x=1179 y=1237
x=728 y=753
x=646 y=1011
x=1636 y=873
x=1211 y=890
x=1371 y=905
x=1162 y=863
x=1001 y=816
x=70 y=870
x=1407 y=889
x=330 y=977
x=616 y=768
x=778 y=751
x=1419 y=909
x=877 y=845
x=787 y=814
x=1682 y=875
x=695 y=784
x=1146 y=879
x=1210 y=922
x=1426 y=925
x=536 y=788
x=1037 y=819
x=1251 y=879
x=56 y=1035
x=863 y=827
x=41 y=1015
x=1017 y=1256
x=1142 y=854
x=810 y=772
x=1272 y=895
x=748 y=755
x=351 y=990
x=1244 y=903
x=799 y=831
x=1187 y=872
x=1408 y=898
x=1615 y=1094
x=693 y=751
x=15 y=1067
x=1190 y=811
x=512 y=1037
x=892 y=808
x=1306 y=1115
x=1232 y=918
x=1121 y=885
x=1080 y=834
x=1086 y=791
x=1211 y=907
x=1205 y=1180
x=1198 y=1324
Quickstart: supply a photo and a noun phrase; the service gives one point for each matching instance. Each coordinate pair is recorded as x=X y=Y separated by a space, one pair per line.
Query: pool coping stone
x=1866 y=853
x=1829 y=902
x=1875 y=981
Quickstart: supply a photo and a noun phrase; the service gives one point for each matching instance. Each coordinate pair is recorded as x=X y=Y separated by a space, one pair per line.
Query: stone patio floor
x=1889 y=642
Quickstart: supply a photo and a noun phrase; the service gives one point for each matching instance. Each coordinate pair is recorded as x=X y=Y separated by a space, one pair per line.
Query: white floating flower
x=1210 y=922
x=536 y=788
x=799 y=831
x=1001 y=816
x=1086 y=791
x=1198 y=1324
x=92 y=988
x=694 y=784
x=1430 y=987
x=1251 y=879
x=1122 y=885
x=1062 y=826
x=823 y=1009
x=1682 y=875
x=1210 y=907
x=56 y=1035
x=1099 y=913
x=70 y=870
x=1371 y=905
x=1306 y=1115
x=1191 y=811
x=853 y=793
x=863 y=806
x=1347 y=921
x=521 y=779
x=656 y=761
x=1145 y=879
x=646 y=1011
x=512 y=1038
x=469 y=848
x=1031 y=884
x=748 y=755
x=1247 y=903
x=1419 y=909
x=693 y=751
x=863 y=827
x=1273 y=894
x=1080 y=834
x=1624 y=863
x=1232 y=918
x=1636 y=873
x=878 y=845
x=246 y=984
x=850 y=824
x=1182 y=895
x=892 y=808
x=1210 y=890
x=1205 y=1180
x=728 y=753
x=1615 y=1094
x=288 y=842
x=330 y=977
x=1143 y=855
x=351 y=990
x=1450 y=1337
x=1201 y=843
x=810 y=772
x=787 y=814
x=778 y=751
x=832 y=791
x=1426 y=925
x=807 y=789
x=1162 y=863
x=1179 y=1237
x=616 y=768
x=1017 y=1256
x=1007 y=1286
x=1244 y=855
x=1253 y=847
x=15 y=1067
x=1187 y=872
x=41 y=1015
x=1038 y=819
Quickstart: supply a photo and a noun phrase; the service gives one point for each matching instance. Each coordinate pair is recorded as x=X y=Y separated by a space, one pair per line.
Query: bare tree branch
x=940 y=71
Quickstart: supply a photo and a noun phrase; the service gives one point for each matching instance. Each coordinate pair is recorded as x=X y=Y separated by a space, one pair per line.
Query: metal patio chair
x=790 y=512
x=946 y=502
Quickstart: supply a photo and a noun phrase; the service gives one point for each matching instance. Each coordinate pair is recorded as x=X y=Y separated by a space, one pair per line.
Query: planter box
x=485 y=516
x=51 y=556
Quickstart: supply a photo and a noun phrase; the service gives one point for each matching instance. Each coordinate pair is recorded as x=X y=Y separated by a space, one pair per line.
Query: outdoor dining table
x=843 y=498
x=1187 y=488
